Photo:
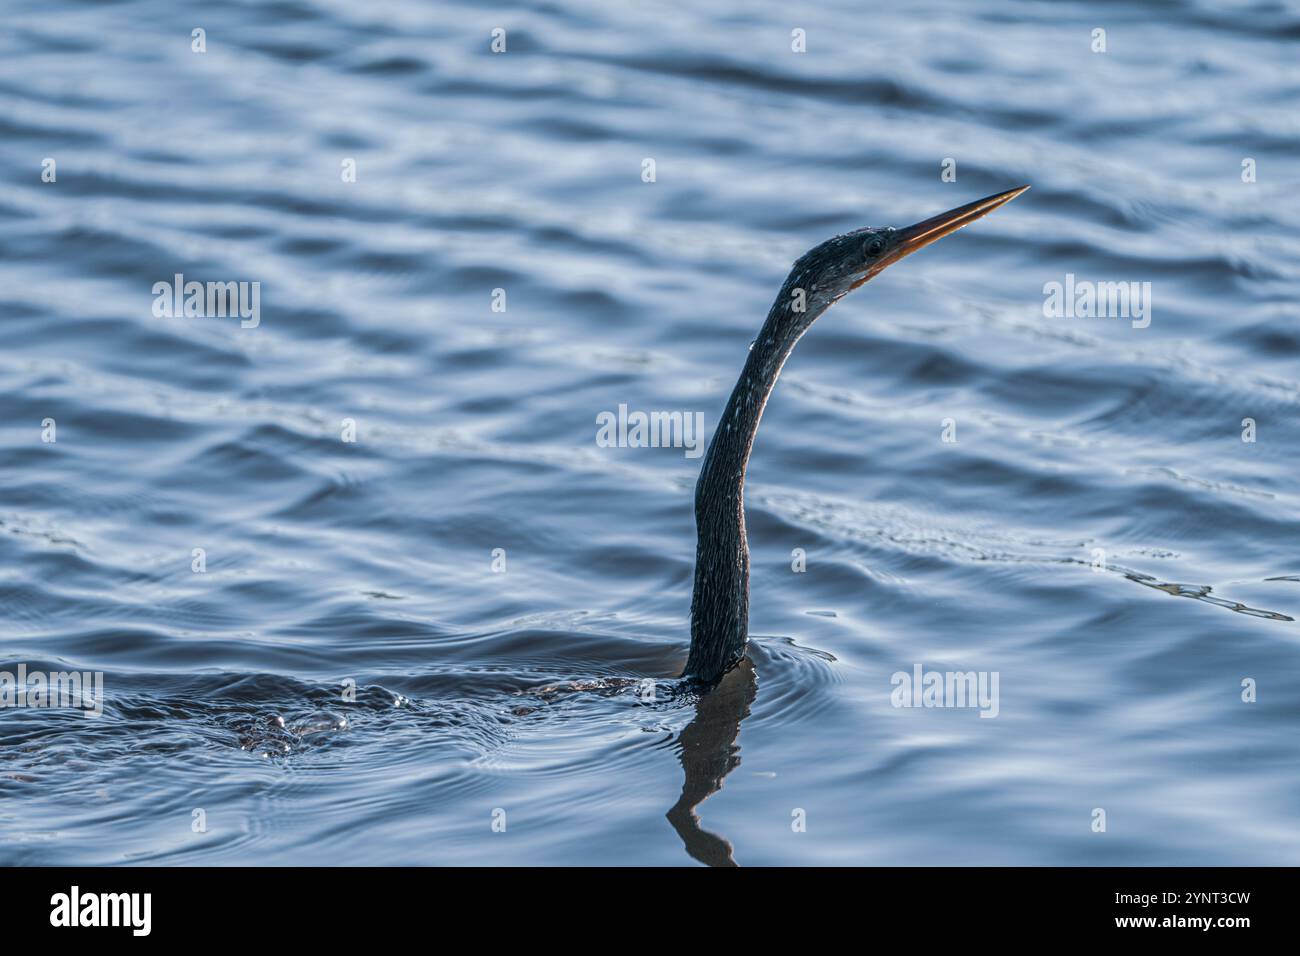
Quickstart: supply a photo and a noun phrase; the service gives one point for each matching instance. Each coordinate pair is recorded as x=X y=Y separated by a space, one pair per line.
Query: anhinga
x=822 y=276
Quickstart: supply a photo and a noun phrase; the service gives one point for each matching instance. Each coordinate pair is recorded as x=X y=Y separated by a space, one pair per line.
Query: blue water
x=1099 y=534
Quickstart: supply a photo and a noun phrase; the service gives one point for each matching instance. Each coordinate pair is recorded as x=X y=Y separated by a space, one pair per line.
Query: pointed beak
x=923 y=233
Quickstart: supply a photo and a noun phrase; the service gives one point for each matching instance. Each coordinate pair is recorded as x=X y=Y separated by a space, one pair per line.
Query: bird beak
x=923 y=233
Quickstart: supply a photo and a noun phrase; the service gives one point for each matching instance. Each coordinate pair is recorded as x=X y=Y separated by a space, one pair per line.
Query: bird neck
x=720 y=599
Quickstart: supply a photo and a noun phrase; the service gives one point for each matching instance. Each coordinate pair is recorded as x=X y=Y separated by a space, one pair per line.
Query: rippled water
x=516 y=697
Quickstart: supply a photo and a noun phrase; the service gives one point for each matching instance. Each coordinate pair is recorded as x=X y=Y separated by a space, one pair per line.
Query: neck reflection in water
x=709 y=752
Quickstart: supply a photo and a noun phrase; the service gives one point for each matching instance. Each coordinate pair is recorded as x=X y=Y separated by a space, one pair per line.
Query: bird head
x=828 y=272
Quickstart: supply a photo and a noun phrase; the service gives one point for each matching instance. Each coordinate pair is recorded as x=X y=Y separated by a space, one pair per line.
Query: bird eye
x=875 y=246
